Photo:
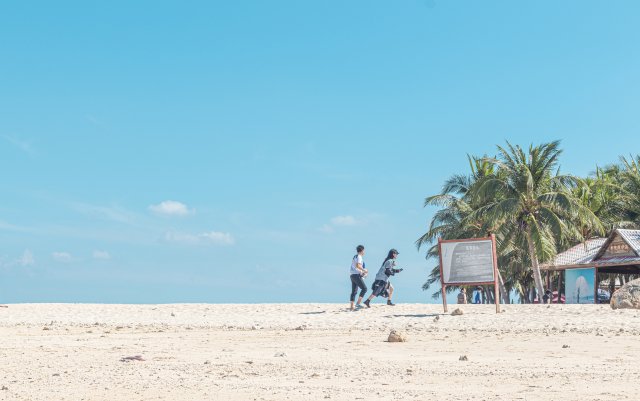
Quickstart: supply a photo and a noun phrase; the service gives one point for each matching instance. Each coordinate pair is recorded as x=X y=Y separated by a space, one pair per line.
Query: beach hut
x=594 y=262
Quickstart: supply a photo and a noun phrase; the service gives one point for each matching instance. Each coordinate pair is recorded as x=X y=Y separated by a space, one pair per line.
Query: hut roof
x=632 y=237
x=621 y=247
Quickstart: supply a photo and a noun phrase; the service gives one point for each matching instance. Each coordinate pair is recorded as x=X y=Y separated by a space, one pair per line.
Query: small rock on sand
x=457 y=312
x=463 y=358
x=132 y=358
x=397 y=337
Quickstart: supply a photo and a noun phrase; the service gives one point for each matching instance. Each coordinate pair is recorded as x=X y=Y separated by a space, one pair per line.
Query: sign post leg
x=497 y=296
x=496 y=290
x=444 y=298
x=444 y=286
x=595 y=285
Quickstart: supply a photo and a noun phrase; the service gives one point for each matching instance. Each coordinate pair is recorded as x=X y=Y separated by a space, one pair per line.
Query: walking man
x=357 y=273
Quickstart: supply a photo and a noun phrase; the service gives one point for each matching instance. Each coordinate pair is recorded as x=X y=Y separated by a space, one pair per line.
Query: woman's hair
x=390 y=255
x=360 y=248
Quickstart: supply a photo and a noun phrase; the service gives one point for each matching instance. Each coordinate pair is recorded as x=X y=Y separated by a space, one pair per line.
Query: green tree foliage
x=630 y=180
x=534 y=211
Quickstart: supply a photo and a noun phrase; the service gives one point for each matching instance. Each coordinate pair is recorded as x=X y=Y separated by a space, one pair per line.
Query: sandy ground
x=316 y=352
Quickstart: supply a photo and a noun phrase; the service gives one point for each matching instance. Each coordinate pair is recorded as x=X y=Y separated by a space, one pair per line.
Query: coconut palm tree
x=528 y=199
x=452 y=220
x=604 y=195
x=449 y=222
x=630 y=175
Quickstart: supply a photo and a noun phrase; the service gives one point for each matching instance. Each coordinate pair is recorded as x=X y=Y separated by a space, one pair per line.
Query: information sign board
x=470 y=261
x=467 y=262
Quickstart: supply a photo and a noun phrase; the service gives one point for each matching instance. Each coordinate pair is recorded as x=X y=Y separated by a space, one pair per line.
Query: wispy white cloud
x=206 y=238
x=172 y=236
x=326 y=228
x=340 y=221
x=344 y=221
x=63 y=257
x=23 y=145
x=112 y=213
x=27 y=259
x=101 y=255
x=216 y=237
x=12 y=227
x=171 y=208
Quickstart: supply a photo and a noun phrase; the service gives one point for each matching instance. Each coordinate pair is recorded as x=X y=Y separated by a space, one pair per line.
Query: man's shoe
x=367 y=303
x=390 y=303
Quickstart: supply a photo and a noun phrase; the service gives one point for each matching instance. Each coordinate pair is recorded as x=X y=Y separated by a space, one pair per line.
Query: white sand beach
x=317 y=351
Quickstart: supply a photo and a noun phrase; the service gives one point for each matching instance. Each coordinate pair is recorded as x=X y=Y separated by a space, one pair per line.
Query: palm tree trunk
x=548 y=279
x=503 y=289
x=559 y=285
x=537 y=278
x=612 y=283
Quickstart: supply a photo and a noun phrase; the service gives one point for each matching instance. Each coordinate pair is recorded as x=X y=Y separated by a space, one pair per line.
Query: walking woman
x=382 y=286
x=358 y=272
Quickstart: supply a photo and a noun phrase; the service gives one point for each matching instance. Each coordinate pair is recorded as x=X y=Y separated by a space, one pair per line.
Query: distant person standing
x=357 y=273
x=381 y=286
x=477 y=299
x=462 y=296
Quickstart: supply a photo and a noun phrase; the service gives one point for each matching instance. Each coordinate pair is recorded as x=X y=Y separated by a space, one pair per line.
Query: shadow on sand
x=312 y=313
x=420 y=315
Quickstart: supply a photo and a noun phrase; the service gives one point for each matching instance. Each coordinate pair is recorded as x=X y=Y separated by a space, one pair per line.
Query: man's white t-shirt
x=354 y=262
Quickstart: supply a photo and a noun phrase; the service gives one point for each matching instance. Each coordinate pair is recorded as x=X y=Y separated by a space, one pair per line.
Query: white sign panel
x=467 y=262
x=579 y=286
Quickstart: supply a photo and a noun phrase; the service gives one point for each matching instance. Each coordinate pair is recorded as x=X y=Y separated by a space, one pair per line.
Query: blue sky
x=239 y=151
